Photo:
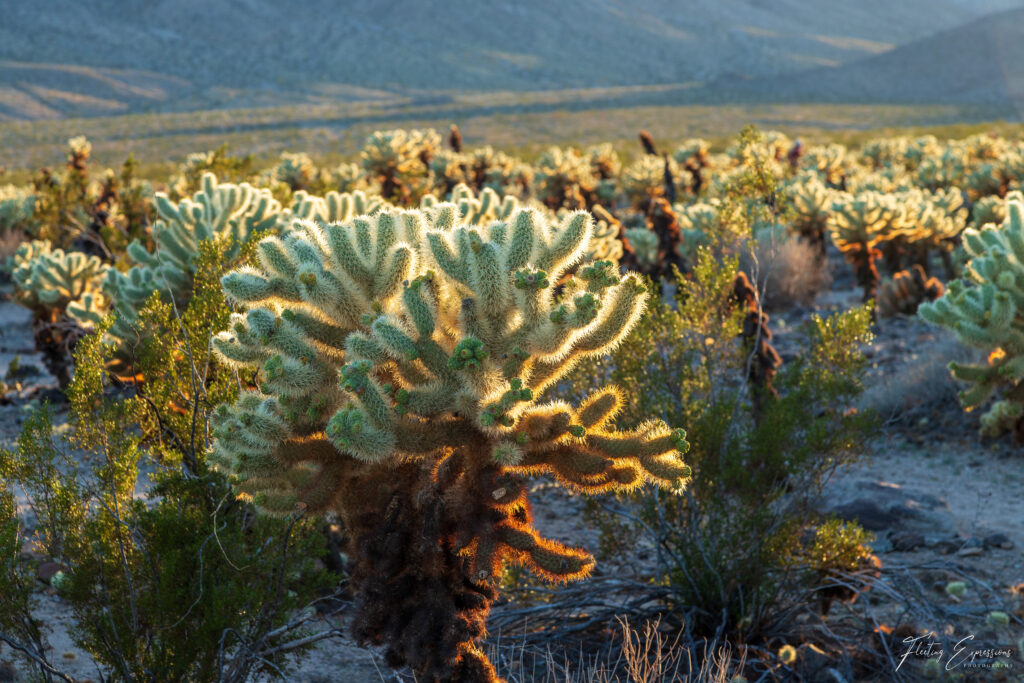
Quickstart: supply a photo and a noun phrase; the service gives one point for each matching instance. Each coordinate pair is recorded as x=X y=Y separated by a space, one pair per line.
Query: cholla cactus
x=16 y=207
x=606 y=244
x=984 y=308
x=988 y=210
x=604 y=161
x=692 y=156
x=605 y=167
x=812 y=205
x=448 y=169
x=79 y=151
x=858 y=224
x=332 y=208
x=297 y=171
x=943 y=171
x=651 y=177
x=349 y=177
x=52 y=283
x=504 y=174
x=219 y=211
x=48 y=280
x=398 y=161
x=885 y=151
x=829 y=162
x=907 y=290
x=564 y=179
x=400 y=361
x=473 y=211
x=698 y=224
x=918 y=150
x=645 y=247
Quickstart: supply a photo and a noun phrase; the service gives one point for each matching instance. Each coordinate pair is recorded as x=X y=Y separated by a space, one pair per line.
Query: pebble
x=998 y=540
x=970 y=551
x=46 y=571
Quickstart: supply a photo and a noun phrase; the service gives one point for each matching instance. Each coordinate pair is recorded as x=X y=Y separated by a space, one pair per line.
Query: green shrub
x=185 y=583
x=730 y=547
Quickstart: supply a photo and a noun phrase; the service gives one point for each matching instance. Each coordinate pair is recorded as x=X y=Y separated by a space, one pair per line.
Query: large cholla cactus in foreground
x=985 y=310
x=219 y=211
x=400 y=359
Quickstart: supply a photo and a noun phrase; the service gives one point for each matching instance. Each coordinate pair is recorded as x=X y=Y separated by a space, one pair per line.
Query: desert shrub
x=788 y=271
x=96 y=216
x=185 y=583
x=733 y=548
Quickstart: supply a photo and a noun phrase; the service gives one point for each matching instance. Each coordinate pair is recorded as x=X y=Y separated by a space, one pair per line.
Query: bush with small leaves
x=220 y=211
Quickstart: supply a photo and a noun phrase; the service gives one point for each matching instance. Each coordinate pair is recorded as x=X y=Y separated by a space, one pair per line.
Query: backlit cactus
x=489 y=207
x=651 y=177
x=564 y=179
x=984 y=310
x=48 y=280
x=56 y=286
x=907 y=290
x=858 y=224
x=331 y=208
x=398 y=162
x=16 y=206
x=812 y=205
x=220 y=211
x=400 y=359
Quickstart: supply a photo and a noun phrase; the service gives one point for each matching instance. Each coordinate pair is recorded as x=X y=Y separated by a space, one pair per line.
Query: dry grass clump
x=788 y=272
x=923 y=383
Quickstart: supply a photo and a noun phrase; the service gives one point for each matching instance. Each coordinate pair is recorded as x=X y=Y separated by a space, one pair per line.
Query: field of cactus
x=690 y=411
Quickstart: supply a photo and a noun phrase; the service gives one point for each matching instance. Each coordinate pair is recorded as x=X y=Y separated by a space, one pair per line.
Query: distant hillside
x=98 y=57
x=979 y=63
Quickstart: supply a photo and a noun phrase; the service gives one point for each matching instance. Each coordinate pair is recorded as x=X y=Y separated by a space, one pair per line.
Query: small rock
x=970 y=551
x=811 y=662
x=881 y=544
x=947 y=547
x=868 y=513
x=905 y=541
x=46 y=571
x=998 y=540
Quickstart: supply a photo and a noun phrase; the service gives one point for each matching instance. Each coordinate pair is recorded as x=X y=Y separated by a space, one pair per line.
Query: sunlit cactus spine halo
x=400 y=360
